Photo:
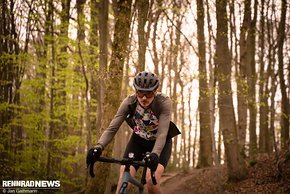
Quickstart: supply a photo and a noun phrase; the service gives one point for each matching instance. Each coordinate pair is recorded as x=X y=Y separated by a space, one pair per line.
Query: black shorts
x=140 y=146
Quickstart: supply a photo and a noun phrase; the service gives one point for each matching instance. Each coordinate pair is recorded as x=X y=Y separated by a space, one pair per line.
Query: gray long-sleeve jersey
x=161 y=106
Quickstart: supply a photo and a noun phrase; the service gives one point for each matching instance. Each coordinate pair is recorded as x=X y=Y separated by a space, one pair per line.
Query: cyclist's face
x=145 y=98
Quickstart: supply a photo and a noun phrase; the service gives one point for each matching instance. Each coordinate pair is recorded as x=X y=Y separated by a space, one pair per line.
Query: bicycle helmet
x=146 y=81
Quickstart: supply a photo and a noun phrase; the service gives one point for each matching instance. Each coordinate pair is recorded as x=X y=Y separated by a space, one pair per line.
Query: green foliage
x=3 y=106
x=4 y=133
x=33 y=117
x=67 y=142
x=48 y=121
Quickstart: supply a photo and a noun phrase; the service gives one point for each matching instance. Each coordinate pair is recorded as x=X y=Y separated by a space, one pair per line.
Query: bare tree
x=241 y=78
x=95 y=75
x=236 y=168
x=113 y=87
x=205 y=140
x=155 y=57
x=143 y=9
x=271 y=50
x=263 y=88
x=283 y=87
x=251 y=81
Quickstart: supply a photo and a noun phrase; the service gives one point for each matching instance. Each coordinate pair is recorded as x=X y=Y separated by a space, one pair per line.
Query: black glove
x=151 y=160
x=94 y=154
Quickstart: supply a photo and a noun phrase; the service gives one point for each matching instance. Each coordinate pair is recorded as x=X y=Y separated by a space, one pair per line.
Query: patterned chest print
x=146 y=123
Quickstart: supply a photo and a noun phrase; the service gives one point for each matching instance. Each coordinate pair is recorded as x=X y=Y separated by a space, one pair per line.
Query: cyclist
x=148 y=114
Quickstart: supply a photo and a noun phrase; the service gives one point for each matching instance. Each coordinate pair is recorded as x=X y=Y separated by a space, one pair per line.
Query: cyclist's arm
x=115 y=124
x=163 y=126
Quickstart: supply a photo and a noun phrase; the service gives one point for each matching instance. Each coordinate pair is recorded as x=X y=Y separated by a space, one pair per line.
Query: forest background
x=67 y=64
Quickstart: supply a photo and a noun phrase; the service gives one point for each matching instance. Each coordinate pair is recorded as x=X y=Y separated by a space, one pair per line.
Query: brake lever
x=91 y=170
x=153 y=178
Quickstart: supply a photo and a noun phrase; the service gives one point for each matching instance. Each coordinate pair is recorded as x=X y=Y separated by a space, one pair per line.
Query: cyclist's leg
x=154 y=189
x=122 y=169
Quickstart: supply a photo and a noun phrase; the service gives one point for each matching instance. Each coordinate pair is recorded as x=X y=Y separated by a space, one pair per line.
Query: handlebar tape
x=122 y=162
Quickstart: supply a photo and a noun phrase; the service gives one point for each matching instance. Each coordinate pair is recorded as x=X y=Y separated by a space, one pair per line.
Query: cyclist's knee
x=122 y=168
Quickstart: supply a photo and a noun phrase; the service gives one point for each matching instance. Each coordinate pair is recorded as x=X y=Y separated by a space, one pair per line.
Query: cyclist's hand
x=94 y=154
x=152 y=159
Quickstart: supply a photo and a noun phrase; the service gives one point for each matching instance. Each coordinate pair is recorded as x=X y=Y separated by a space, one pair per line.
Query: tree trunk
x=189 y=140
x=58 y=130
x=263 y=88
x=103 y=58
x=96 y=77
x=62 y=63
x=241 y=78
x=113 y=89
x=184 y=160
x=236 y=168
x=273 y=84
x=173 y=65
x=212 y=90
x=80 y=47
x=251 y=80
x=205 y=140
x=143 y=8
x=155 y=57
x=50 y=135
x=283 y=87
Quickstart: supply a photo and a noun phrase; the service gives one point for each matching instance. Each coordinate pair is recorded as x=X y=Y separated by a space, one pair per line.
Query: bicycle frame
x=127 y=177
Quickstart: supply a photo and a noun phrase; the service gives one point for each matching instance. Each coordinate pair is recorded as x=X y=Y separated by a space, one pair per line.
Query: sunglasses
x=142 y=94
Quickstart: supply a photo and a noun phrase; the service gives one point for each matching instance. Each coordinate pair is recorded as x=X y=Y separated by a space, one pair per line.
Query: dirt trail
x=195 y=181
x=262 y=177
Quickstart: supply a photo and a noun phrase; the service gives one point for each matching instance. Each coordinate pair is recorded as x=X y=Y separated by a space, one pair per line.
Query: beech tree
x=235 y=165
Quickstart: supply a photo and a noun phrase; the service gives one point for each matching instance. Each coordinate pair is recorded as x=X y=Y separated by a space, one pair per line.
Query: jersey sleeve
x=163 y=127
x=115 y=124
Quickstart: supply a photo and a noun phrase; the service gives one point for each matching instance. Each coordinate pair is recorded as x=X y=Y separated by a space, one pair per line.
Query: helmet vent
x=150 y=82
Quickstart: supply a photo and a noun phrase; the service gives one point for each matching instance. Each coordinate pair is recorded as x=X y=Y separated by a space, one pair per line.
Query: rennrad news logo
x=28 y=186
x=31 y=184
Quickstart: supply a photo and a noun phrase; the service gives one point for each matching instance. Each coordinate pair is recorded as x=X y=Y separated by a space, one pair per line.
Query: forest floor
x=264 y=176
